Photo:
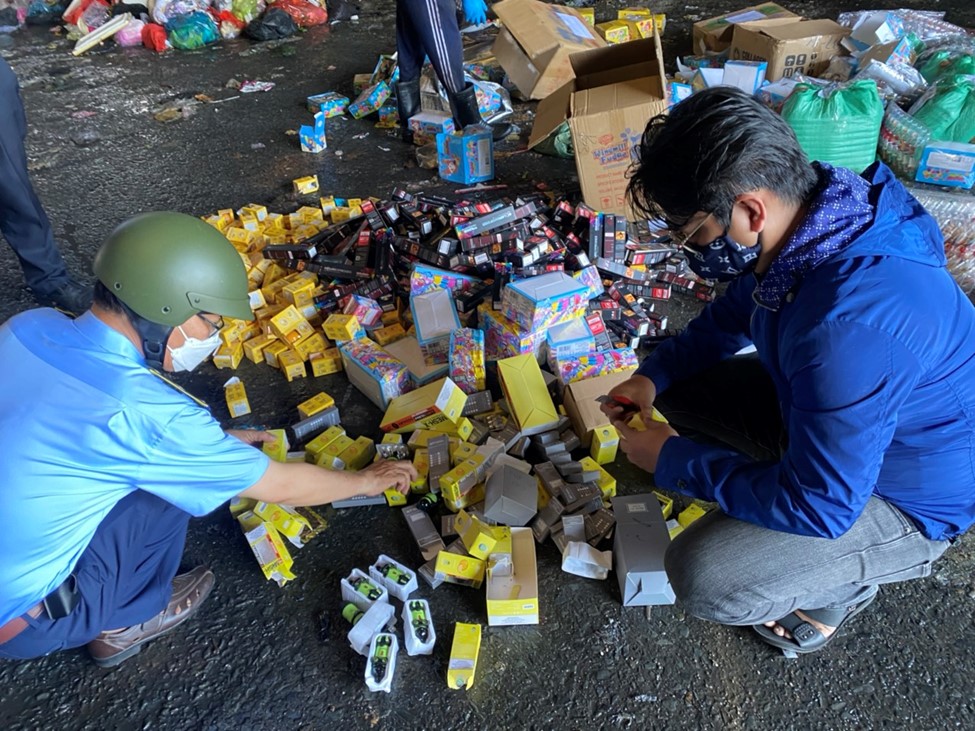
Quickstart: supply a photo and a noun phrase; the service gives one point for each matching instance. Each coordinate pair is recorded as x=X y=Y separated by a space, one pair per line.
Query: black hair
x=106 y=299
x=711 y=148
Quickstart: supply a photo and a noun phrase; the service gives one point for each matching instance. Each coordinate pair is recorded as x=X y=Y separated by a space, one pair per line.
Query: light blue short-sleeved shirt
x=84 y=423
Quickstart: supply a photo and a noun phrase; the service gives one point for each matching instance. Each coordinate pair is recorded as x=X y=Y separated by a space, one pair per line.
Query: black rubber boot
x=464 y=105
x=407 y=104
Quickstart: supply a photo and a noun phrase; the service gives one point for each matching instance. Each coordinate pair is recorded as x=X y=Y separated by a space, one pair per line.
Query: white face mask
x=193 y=351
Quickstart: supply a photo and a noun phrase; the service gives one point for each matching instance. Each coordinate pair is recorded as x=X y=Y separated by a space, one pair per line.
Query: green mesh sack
x=839 y=124
x=948 y=109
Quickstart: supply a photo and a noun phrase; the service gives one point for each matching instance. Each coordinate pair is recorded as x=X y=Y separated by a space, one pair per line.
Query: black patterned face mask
x=723 y=259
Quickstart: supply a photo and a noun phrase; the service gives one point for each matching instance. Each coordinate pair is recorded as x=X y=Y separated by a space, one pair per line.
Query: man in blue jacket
x=842 y=454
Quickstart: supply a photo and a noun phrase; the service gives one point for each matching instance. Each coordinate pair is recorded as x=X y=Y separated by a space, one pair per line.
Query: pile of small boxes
x=420 y=301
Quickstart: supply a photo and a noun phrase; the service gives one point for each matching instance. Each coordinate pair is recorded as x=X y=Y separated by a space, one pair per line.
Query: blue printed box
x=312 y=137
x=331 y=102
x=370 y=100
x=427 y=125
x=466 y=157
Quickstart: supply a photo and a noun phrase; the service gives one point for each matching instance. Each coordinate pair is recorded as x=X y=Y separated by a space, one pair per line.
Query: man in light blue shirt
x=105 y=462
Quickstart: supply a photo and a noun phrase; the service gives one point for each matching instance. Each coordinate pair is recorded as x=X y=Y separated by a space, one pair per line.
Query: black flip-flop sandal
x=805 y=637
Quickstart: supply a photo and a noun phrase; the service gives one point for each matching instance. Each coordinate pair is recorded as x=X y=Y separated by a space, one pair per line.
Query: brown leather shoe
x=189 y=592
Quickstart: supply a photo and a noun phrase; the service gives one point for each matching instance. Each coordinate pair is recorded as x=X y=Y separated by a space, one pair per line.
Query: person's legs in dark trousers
x=23 y=222
x=729 y=571
x=429 y=28
x=124 y=577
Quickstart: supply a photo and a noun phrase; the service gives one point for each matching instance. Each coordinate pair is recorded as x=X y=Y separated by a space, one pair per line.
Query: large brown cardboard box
x=536 y=41
x=616 y=90
x=714 y=34
x=791 y=47
x=580 y=402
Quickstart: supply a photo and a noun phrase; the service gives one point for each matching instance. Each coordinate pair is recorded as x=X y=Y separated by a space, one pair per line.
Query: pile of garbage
x=181 y=24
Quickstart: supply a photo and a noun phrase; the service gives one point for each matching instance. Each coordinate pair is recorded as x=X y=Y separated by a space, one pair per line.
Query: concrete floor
x=254 y=658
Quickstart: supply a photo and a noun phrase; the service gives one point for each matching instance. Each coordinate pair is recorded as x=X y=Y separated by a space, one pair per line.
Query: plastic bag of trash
x=192 y=31
x=558 y=143
x=342 y=10
x=94 y=16
x=131 y=34
x=165 y=10
x=838 y=124
x=948 y=109
x=247 y=10
x=275 y=23
x=45 y=12
x=305 y=14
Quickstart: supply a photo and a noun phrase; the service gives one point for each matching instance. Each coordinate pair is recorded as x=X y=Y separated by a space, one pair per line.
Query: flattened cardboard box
x=536 y=41
x=714 y=34
x=790 y=46
x=615 y=91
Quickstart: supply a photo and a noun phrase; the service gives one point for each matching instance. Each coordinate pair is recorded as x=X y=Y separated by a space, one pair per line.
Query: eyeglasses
x=214 y=325
x=681 y=239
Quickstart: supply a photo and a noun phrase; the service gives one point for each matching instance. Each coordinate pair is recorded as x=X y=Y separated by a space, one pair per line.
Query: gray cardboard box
x=639 y=547
x=510 y=497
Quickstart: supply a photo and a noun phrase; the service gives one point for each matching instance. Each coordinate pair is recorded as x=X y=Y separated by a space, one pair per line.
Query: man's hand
x=643 y=447
x=475 y=11
x=380 y=476
x=638 y=390
x=254 y=437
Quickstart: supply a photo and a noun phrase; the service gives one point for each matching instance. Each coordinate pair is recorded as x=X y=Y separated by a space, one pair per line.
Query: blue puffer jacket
x=871 y=345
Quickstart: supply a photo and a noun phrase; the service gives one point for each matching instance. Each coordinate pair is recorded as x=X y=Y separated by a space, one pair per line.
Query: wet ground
x=255 y=657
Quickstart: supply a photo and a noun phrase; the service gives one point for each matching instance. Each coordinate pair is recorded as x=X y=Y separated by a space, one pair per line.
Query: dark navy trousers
x=124 y=577
x=429 y=28
x=22 y=219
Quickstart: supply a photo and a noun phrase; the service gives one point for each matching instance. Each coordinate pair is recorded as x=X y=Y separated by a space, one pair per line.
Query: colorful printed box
x=466 y=359
x=375 y=372
x=407 y=351
x=331 y=104
x=312 y=137
x=427 y=125
x=503 y=338
x=569 y=340
x=434 y=317
x=488 y=100
x=549 y=299
x=425 y=278
x=604 y=363
x=466 y=157
x=367 y=311
x=388 y=117
x=370 y=100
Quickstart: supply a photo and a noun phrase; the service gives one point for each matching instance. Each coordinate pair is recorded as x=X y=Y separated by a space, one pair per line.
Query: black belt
x=58 y=604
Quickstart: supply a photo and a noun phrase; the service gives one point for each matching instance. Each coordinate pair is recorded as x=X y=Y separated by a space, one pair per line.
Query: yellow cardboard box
x=341 y=327
x=317 y=445
x=322 y=364
x=469 y=568
x=291 y=365
x=236 y=396
x=479 y=538
x=426 y=407
x=317 y=403
x=463 y=655
x=306 y=185
x=513 y=599
x=614 y=31
x=527 y=395
x=278 y=449
x=605 y=444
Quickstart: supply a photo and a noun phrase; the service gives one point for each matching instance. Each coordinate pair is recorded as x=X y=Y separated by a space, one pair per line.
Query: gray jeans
x=729 y=571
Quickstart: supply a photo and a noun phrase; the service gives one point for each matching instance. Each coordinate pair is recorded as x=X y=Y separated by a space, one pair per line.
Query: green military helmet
x=168 y=266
